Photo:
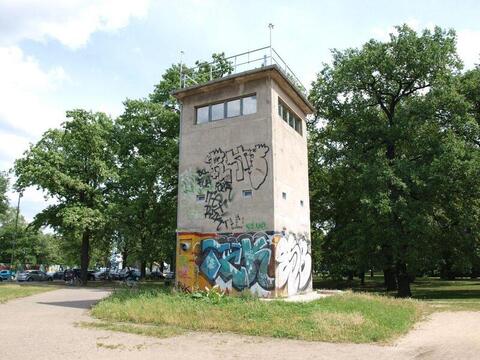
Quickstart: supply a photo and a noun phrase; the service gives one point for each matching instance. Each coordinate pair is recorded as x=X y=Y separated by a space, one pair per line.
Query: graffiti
x=294 y=264
x=195 y=182
x=240 y=262
x=255 y=226
x=224 y=168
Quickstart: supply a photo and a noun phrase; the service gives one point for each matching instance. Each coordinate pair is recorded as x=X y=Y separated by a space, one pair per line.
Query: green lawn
x=10 y=291
x=462 y=294
x=350 y=317
x=363 y=314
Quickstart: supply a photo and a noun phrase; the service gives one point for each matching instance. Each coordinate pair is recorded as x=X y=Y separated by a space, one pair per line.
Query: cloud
x=69 y=22
x=468 y=47
x=23 y=89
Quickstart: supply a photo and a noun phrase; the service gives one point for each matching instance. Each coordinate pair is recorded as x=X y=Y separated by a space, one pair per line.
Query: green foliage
x=202 y=72
x=213 y=295
x=73 y=165
x=3 y=193
x=146 y=135
x=394 y=168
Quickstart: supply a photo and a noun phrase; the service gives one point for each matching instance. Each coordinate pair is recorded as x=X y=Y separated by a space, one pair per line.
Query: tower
x=243 y=219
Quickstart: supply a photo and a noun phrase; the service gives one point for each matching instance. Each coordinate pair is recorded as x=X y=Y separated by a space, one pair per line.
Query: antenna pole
x=270 y=26
x=181 y=68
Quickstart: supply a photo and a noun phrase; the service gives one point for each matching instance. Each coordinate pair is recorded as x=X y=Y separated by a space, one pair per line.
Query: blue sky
x=57 y=55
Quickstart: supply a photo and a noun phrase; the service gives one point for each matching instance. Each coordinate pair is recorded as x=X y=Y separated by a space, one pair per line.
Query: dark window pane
x=249 y=105
x=202 y=115
x=217 y=111
x=233 y=108
x=298 y=126
x=291 y=120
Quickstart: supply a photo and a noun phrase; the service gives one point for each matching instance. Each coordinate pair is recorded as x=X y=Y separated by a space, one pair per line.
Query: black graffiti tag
x=223 y=169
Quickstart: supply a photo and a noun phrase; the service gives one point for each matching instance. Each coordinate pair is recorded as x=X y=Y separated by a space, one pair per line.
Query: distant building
x=243 y=202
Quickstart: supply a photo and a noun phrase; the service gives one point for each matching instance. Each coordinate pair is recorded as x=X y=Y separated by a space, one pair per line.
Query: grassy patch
x=10 y=291
x=451 y=295
x=148 y=330
x=357 y=318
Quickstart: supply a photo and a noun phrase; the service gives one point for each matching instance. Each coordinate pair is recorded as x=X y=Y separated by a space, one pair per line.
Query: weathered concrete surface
x=43 y=327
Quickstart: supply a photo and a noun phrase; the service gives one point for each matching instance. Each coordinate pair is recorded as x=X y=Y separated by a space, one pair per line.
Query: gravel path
x=43 y=327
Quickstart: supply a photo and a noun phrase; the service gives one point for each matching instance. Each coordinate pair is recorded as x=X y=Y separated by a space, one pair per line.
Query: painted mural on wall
x=239 y=262
x=226 y=169
x=294 y=264
x=267 y=264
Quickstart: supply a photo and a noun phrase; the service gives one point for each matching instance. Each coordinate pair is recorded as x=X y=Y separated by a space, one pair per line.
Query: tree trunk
x=362 y=278
x=350 y=276
x=85 y=257
x=403 y=281
x=124 y=258
x=390 y=279
x=371 y=273
x=143 y=266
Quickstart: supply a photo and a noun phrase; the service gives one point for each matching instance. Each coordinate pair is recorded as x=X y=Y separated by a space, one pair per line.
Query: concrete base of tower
x=267 y=264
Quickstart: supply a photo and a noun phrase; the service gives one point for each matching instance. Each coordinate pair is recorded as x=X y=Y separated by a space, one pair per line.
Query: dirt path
x=42 y=327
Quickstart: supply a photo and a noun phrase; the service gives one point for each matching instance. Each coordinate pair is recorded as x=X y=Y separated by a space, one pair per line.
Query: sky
x=57 y=55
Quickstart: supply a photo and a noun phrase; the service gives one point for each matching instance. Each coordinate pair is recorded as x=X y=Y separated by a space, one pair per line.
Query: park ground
x=60 y=325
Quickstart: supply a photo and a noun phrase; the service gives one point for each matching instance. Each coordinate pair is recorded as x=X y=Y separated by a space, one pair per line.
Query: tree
x=146 y=142
x=394 y=123
x=202 y=72
x=3 y=193
x=73 y=165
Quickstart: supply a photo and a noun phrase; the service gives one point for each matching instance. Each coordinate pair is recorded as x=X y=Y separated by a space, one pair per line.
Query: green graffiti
x=253 y=226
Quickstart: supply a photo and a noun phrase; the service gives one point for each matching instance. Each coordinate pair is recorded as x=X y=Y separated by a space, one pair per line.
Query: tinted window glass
x=298 y=126
x=249 y=105
x=202 y=115
x=233 y=108
x=217 y=111
x=291 y=120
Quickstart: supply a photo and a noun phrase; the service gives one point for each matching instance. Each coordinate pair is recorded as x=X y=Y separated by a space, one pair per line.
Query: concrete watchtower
x=243 y=202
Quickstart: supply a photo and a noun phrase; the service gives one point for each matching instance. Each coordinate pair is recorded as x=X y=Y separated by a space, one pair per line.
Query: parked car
x=133 y=273
x=156 y=275
x=33 y=275
x=102 y=275
x=71 y=273
x=169 y=274
x=58 y=275
x=5 y=274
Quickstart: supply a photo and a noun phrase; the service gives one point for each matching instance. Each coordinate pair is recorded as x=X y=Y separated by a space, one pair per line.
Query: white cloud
x=69 y=22
x=468 y=47
x=23 y=91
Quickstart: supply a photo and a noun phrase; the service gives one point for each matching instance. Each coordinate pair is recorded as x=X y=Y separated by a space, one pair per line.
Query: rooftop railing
x=249 y=60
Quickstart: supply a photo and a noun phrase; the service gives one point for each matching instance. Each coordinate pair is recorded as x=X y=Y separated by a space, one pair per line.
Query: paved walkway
x=42 y=327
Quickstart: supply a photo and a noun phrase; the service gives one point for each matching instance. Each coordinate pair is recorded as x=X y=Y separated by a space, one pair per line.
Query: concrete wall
x=260 y=244
x=237 y=147
x=290 y=159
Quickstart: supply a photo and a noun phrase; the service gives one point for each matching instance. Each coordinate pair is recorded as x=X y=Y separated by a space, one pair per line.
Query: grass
x=9 y=291
x=357 y=318
x=451 y=295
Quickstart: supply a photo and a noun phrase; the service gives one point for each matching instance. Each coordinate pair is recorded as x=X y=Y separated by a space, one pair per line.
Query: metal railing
x=249 y=60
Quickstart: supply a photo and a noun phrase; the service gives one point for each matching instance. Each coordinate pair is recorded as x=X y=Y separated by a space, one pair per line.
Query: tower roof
x=270 y=70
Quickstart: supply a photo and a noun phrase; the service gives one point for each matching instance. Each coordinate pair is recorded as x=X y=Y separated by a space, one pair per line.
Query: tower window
x=301 y=203
x=227 y=109
x=284 y=195
x=249 y=105
x=233 y=108
x=218 y=111
x=289 y=117
x=201 y=198
x=202 y=114
x=247 y=194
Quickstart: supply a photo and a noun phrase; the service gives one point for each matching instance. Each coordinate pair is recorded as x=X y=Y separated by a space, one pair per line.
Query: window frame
x=225 y=110
x=290 y=117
